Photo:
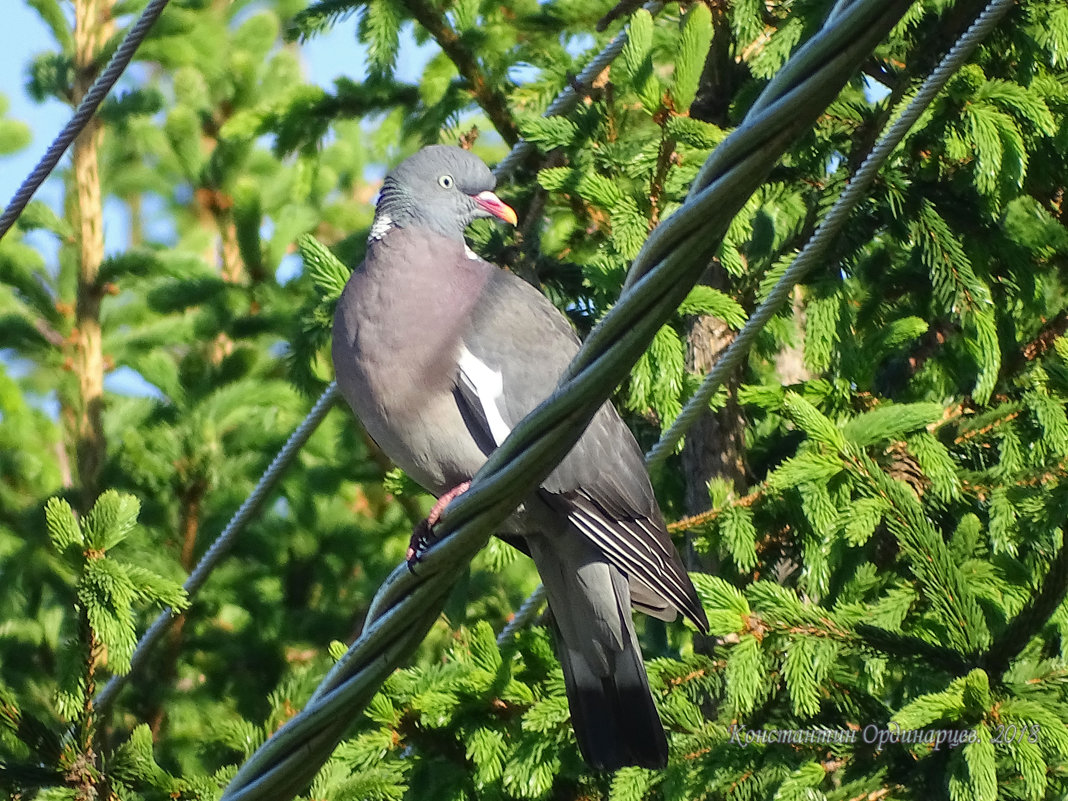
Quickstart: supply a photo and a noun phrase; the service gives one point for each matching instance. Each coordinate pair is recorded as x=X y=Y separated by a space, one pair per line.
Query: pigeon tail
x=612 y=710
x=614 y=717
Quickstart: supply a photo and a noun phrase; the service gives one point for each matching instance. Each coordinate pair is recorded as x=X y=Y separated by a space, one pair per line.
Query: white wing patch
x=470 y=253
x=487 y=385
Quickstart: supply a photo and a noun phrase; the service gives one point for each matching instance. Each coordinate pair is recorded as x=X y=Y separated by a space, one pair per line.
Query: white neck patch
x=382 y=225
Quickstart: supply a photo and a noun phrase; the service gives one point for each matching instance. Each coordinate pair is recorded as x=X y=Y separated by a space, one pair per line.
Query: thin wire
x=526 y=614
x=222 y=543
x=831 y=226
x=569 y=95
x=120 y=60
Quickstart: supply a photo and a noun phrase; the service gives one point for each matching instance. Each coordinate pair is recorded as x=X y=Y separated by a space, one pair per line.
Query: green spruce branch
x=483 y=87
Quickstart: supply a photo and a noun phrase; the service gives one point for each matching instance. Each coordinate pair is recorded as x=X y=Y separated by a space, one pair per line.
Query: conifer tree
x=875 y=503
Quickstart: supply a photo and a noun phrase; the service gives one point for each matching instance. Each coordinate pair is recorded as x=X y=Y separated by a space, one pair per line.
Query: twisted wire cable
x=667 y=267
x=832 y=224
x=524 y=616
x=563 y=103
x=570 y=95
x=118 y=63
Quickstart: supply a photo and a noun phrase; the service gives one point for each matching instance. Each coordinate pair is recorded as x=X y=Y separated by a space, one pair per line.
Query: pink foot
x=423 y=533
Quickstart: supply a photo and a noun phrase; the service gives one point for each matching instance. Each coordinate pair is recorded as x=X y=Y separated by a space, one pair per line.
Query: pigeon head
x=442 y=188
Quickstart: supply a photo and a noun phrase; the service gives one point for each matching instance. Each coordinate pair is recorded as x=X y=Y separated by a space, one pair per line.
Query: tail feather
x=614 y=717
x=612 y=710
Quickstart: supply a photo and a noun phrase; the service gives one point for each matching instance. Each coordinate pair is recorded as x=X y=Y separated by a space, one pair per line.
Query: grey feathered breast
x=407 y=390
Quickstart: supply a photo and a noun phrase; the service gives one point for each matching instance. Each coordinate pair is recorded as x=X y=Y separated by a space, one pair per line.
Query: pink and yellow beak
x=491 y=204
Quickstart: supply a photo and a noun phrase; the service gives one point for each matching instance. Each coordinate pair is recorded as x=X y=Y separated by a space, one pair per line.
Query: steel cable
x=832 y=224
x=103 y=84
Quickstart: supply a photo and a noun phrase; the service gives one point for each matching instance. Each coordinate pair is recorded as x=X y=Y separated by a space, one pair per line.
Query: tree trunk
x=715 y=444
x=92 y=26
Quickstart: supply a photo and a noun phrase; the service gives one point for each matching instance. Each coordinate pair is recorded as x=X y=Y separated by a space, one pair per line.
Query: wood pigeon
x=440 y=354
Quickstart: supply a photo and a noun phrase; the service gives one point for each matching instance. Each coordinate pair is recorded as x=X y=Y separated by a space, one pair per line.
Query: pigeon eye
x=445 y=182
